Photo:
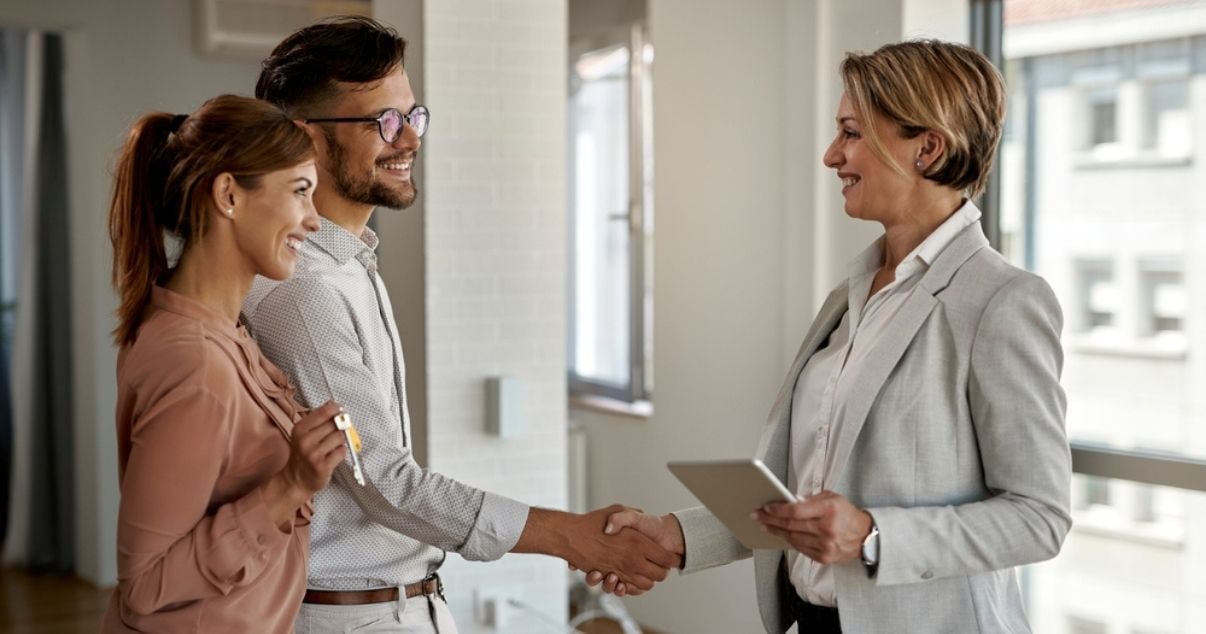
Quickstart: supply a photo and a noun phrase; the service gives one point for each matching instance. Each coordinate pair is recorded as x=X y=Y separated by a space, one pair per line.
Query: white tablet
x=732 y=489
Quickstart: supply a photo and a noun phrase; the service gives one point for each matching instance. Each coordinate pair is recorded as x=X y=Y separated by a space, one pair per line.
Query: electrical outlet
x=491 y=608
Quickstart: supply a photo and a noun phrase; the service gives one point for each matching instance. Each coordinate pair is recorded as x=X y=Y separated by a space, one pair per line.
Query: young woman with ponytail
x=217 y=463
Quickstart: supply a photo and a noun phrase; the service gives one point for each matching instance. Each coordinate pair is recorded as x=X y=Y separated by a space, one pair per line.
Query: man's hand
x=635 y=559
x=826 y=527
x=663 y=530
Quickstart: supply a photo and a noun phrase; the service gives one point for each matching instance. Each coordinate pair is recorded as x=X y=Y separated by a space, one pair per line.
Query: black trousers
x=814 y=619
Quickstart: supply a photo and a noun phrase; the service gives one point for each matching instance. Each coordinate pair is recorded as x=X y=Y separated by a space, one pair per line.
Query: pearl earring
x=919 y=165
x=230 y=212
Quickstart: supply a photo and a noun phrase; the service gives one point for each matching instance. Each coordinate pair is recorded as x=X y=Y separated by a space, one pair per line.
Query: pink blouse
x=203 y=419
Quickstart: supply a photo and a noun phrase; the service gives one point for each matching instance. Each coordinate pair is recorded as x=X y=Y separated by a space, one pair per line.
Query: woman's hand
x=826 y=527
x=315 y=449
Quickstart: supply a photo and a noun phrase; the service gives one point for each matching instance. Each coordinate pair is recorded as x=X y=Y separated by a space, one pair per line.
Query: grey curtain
x=52 y=519
x=12 y=177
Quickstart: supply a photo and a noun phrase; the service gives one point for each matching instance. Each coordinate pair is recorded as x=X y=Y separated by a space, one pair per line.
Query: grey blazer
x=959 y=454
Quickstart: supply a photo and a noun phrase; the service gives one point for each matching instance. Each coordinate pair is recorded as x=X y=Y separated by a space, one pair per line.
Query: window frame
x=634 y=396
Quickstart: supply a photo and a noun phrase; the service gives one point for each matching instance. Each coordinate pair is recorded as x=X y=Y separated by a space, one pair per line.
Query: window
x=1166 y=117
x=1097 y=294
x=1163 y=299
x=611 y=228
x=1163 y=69
x=1103 y=116
x=1097 y=491
x=1101 y=194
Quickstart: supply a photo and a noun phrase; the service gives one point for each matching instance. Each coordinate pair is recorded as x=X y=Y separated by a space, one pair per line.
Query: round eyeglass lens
x=418 y=119
x=391 y=125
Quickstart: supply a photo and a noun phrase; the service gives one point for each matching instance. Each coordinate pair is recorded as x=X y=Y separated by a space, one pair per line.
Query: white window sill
x=640 y=410
x=1109 y=344
x=1106 y=521
x=1149 y=159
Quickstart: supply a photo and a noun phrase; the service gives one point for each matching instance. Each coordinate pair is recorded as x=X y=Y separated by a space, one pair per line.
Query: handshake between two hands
x=826 y=528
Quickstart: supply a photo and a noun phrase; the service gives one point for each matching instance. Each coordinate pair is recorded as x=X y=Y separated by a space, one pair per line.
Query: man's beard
x=362 y=188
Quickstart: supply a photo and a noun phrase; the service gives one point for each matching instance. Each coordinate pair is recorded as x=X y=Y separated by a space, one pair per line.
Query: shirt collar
x=342 y=245
x=924 y=254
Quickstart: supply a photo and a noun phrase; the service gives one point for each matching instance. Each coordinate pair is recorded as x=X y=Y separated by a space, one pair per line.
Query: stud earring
x=919 y=165
x=230 y=212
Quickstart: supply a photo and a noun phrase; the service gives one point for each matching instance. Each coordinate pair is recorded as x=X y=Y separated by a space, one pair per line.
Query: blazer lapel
x=776 y=439
x=897 y=338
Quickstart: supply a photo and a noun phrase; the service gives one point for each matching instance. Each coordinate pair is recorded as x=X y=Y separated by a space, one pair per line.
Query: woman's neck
x=912 y=227
x=205 y=276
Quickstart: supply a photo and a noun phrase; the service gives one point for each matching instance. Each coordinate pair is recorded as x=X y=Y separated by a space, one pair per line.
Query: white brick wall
x=495 y=238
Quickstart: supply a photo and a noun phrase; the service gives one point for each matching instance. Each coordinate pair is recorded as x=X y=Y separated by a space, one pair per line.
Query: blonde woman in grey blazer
x=922 y=422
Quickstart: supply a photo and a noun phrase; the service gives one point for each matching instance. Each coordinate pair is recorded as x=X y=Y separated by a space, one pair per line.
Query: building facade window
x=1102 y=104
x=1166 y=120
x=1097 y=293
x=1163 y=299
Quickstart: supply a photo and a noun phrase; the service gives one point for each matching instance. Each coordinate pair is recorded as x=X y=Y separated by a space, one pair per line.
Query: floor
x=49 y=604
x=55 y=604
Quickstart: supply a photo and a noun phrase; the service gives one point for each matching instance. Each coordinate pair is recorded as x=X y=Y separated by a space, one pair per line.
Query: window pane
x=1121 y=237
x=1091 y=201
x=1166 y=117
x=1104 y=128
x=1127 y=566
x=602 y=265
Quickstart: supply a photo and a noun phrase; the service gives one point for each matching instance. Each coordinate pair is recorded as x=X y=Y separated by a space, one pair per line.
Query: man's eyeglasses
x=389 y=123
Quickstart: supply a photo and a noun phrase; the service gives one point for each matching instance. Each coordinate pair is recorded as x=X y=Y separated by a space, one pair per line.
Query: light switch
x=504 y=406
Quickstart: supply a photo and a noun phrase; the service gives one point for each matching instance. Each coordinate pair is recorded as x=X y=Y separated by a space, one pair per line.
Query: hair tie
x=177 y=121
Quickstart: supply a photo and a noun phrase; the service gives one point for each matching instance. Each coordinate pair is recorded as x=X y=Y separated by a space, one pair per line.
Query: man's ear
x=316 y=135
x=225 y=193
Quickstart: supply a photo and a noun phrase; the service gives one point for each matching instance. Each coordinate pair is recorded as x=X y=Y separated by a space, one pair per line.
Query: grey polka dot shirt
x=331 y=329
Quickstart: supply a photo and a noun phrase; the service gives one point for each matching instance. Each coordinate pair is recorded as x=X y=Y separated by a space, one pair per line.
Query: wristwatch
x=871 y=549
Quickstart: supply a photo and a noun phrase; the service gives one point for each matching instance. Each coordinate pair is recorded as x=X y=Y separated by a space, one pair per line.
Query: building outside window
x=1103 y=193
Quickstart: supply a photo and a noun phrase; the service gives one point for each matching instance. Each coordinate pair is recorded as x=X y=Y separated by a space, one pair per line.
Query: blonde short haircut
x=921 y=85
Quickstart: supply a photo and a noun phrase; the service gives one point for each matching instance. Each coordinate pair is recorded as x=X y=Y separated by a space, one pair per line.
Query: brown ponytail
x=163 y=179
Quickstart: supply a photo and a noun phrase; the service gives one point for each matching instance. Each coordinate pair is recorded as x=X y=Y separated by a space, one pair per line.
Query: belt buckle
x=439 y=590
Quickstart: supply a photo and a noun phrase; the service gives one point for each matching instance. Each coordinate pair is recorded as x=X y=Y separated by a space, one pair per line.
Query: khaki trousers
x=411 y=617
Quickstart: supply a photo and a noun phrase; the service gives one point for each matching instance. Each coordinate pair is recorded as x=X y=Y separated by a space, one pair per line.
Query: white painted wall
x=495 y=269
x=124 y=57
x=719 y=107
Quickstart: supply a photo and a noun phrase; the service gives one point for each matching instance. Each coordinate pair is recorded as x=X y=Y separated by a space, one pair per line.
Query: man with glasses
x=379 y=535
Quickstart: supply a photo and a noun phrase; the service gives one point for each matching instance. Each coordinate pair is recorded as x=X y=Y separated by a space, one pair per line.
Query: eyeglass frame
x=379 y=120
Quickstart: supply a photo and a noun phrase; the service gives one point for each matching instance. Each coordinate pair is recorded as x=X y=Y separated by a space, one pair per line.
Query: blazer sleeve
x=171 y=545
x=1017 y=408
x=708 y=542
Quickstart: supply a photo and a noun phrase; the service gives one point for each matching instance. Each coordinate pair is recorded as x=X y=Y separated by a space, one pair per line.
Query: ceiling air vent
x=251 y=28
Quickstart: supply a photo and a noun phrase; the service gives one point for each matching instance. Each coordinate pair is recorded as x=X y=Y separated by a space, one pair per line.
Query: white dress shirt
x=330 y=327
x=823 y=387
